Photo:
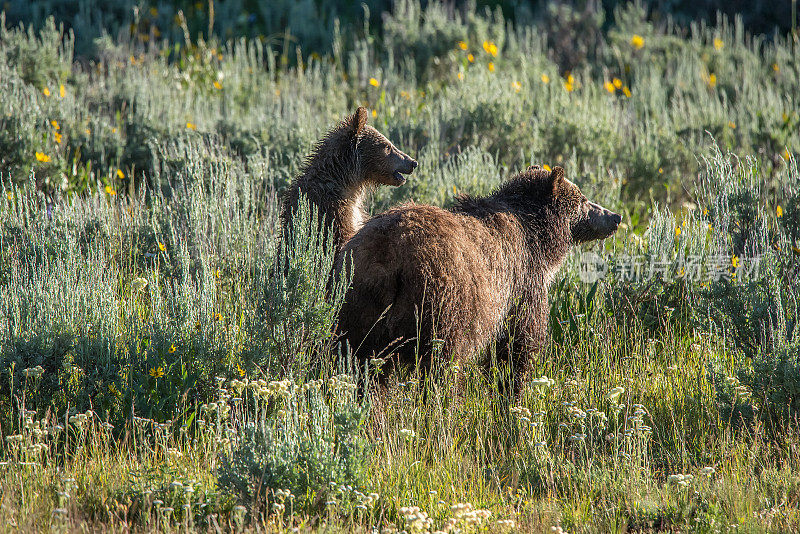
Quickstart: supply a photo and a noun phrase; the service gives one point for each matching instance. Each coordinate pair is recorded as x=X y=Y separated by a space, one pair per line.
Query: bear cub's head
x=587 y=221
x=381 y=162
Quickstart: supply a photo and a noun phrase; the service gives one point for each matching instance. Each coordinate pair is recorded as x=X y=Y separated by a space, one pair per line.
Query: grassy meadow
x=158 y=373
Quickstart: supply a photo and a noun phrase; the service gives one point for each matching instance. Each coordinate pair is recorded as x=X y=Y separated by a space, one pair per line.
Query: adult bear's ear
x=359 y=120
x=557 y=174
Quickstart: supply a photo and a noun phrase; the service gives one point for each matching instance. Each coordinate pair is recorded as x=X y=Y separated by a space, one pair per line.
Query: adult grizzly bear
x=468 y=276
x=347 y=162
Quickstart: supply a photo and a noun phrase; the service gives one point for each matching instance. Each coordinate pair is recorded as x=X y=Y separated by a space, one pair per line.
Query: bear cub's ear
x=359 y=120
x=557 y=174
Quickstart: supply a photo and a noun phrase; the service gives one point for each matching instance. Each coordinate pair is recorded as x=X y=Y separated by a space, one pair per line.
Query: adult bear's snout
x=603 y=222
x=407 y=165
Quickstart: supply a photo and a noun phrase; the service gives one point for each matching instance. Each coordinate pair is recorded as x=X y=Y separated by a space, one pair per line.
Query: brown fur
x=469 y=276
x=352 y=158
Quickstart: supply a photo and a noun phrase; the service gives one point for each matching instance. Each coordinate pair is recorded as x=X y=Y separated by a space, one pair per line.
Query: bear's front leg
x=524 y=335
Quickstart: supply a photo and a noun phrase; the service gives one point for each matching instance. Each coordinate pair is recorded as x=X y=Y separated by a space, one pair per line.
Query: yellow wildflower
x=44 y=158
x=491 y=67
x=490 y=48
x=157 y=373
x=46 y=91
x=120 y=174
x=470 y=58
x=88 y=131
x=462 y=45
x=460 y=75
x=191 y=125
x=172 y=348
x=545 y=78
x=735 y=261
x=516 y=86
x=239 y=368
x=162 y=247
x=547 y=168
x=10 y=196
x=114 y=129
x=217 y=273
x=637 y=41
x=660 y=170
x=617 y=83
x=569 y=83
x=626 y=91
x=110 y=191
x=373 y=82
x=217 y=85
x=718 y=44
x=779 y=212
x=374 y=113
x=57 y=137
x=218 y=317
x=677 y=231
x=775 y=67
x=54 y=124
x=62 y=92
x=712 y=80
x=609 y=86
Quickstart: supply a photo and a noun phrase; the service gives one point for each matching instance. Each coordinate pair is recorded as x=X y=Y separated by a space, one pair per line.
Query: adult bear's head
x=561 y=207
x=588 y=221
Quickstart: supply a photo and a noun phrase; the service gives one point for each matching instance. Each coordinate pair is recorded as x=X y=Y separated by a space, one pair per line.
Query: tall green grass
x=161 y=367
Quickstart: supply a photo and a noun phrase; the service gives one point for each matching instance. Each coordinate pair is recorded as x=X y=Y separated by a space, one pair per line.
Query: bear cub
x=345 y=164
